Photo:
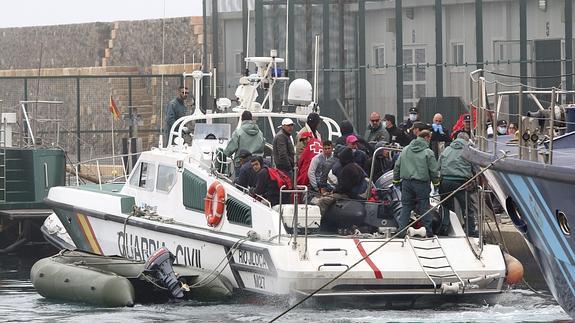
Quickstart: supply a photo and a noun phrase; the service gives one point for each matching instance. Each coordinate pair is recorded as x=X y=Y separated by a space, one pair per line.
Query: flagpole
x=113 y=152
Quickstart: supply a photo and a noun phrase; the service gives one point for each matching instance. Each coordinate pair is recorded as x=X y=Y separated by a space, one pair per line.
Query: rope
x=386 y=242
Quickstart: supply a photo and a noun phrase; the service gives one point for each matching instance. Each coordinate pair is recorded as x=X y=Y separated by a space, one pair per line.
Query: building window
x=457 y=54
x=414 y=77
x=379 y=57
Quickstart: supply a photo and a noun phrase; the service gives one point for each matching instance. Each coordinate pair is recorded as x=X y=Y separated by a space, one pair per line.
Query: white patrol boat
x=179 y=197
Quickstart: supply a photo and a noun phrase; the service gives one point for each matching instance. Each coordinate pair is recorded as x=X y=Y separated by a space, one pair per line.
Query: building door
x=548 y=50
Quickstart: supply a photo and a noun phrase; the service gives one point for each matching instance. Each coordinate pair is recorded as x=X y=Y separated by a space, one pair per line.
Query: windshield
x=212 y=131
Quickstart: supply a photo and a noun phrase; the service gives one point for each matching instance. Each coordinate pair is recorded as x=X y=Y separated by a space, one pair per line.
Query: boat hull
x=534 y=196
x=278 y=268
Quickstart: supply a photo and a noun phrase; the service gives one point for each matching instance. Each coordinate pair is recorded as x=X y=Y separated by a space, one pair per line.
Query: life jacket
x=281 y=178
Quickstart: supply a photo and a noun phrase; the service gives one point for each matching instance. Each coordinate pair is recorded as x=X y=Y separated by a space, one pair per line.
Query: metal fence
x=82 y=124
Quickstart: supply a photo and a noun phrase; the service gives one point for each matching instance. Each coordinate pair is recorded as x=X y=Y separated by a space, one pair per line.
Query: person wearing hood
x=311 y=125
x=247 y=136
x=375 y=131
x=346 y=129
x=455 y=171
x=351 y=179
x=416 y=168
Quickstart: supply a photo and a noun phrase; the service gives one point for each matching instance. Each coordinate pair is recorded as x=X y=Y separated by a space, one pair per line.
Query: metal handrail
x=372 y=166
x=78 y=165
x=299 y=189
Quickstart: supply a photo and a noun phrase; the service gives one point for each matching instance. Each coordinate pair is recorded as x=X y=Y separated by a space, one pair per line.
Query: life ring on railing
x=215 y=216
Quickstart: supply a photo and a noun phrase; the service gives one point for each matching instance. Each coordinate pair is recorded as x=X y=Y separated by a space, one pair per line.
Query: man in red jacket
x=312 y=147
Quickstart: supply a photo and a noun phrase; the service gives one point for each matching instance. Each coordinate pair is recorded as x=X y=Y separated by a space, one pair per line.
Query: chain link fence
x=72 y=112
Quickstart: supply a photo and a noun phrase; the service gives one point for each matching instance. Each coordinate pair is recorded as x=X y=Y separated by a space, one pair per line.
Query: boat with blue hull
x=532 y=173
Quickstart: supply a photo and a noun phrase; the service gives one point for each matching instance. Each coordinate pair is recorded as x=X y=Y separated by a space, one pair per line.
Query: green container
x=26 y=175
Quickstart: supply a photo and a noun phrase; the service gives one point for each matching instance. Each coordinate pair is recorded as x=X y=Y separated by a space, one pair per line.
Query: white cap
x=286 y=122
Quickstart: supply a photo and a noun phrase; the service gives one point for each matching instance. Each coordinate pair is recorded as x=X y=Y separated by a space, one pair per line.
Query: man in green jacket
x=415 y=168
x=455 y=171
x=247 y=136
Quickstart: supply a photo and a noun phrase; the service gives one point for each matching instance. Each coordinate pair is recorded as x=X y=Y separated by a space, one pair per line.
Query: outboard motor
x=343 y=214
x=159 y=266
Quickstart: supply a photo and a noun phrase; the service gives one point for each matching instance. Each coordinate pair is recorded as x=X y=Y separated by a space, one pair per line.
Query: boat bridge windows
x=220 y=131
x=144 y=176
x=166 y=178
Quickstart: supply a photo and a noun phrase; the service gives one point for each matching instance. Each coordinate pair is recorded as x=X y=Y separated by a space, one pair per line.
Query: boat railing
x=536 y=131
x=373 y=159
x=299 y=190
x=21 y=125
x=109 y=169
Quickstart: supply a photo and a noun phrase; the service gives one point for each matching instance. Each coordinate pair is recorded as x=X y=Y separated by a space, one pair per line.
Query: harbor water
x=20 y=303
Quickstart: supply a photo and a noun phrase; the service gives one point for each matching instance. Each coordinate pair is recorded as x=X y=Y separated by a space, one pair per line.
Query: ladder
x=434 y=263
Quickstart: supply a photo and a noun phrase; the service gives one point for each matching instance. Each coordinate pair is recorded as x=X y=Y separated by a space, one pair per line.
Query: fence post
x=130 y=109
x=78 y=119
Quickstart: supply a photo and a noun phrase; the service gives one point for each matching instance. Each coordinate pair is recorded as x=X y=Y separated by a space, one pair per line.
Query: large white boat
x=255 y=246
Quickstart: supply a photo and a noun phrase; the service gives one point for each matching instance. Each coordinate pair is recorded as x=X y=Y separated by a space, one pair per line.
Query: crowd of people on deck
x=425 y=158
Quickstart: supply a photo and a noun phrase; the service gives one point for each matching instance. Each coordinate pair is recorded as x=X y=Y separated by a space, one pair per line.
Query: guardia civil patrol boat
x=181 y=197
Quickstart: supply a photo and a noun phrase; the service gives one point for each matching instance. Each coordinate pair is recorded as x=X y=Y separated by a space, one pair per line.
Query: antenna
x=287 y=54
x=248 y=37
x=315 y=71
x=161 y=139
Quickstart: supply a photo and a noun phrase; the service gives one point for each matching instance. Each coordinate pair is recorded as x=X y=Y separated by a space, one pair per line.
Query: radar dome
x=300 y=92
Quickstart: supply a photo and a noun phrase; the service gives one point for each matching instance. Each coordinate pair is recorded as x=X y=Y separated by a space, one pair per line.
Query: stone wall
x=124 y=43
x=62 y=45
x=139 y=43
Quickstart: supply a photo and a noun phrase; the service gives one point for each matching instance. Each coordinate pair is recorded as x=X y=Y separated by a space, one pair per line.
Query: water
x=20 y=303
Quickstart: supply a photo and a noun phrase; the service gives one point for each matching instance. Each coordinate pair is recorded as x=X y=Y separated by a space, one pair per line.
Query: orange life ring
x=215 y=216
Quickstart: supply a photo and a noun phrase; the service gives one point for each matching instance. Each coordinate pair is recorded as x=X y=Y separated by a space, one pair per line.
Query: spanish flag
x=114 y=109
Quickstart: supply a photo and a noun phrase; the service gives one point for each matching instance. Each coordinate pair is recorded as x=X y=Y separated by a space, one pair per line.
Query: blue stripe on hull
x=553 y=249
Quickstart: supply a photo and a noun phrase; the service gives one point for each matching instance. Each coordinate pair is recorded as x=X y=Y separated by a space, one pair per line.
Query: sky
x=21 y=13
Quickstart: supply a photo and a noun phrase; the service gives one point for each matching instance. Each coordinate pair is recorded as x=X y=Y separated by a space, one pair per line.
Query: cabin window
x=166 y=178
x=144 y=176
x=194 y=190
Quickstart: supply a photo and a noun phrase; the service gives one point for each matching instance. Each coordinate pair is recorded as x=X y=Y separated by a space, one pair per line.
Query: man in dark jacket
x=283 y=149
x=176 y=109
x=408 y=123
x=265 y=186
x=466 y=126
x=415 y=168
x=396 y=135
x=245 y=175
